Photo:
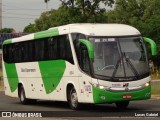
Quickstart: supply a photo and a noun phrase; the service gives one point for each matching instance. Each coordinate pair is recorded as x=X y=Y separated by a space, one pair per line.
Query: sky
x=19 y=13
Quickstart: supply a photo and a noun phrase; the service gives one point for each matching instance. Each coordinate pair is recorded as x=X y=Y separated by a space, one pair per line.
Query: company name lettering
x=27 y=70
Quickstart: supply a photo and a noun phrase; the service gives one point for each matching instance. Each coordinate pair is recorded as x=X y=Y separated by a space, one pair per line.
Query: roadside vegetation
x=1 y=82
x=155 y=88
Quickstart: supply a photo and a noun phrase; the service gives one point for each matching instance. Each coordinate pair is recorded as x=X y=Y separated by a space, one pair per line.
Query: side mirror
x=89 y=46
x=153 y=45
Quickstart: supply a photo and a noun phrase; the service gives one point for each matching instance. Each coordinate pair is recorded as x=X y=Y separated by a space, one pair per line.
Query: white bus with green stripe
x=78 y=63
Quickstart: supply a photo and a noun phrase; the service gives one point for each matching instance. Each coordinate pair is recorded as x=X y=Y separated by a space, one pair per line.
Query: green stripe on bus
x=12 y=76
x=52 y=72
x=7 y=41
x=47 y=33
x=103 y=96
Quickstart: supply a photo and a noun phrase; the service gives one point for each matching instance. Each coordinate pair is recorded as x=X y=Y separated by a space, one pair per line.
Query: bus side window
x=68 y=51
x=39 y=50
x=10 y=53
x=16 y=52
x=81 y=56
x=25 y=53
x=75 y=38
x=61 y=48
x=65 y=49
x=5 y=53
x=30 y=53
x=85 y=62
x=52 y=48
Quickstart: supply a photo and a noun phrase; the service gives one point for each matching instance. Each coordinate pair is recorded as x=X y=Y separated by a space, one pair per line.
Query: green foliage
x=58 y=17
x=142 y=14
x=30 y=28
x=71 y=11
x=6 y=30
x=90 y=10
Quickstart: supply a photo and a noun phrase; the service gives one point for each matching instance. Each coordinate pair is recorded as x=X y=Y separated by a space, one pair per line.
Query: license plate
x=127 y=96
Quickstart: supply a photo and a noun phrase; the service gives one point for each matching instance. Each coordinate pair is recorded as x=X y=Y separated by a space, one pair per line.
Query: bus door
x=86 y=87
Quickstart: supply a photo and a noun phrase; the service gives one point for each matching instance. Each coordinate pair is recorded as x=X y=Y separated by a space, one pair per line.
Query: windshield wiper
x=128 y=61
x=116 y=67
x=132 y=67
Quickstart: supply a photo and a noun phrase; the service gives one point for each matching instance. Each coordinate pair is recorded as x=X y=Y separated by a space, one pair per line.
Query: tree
x=7 y=30
x=58 y=17
x=142 y=14
x=89 y=9
x=30 y=28
x=73 y=11
x=46 y=20
x=127 y=10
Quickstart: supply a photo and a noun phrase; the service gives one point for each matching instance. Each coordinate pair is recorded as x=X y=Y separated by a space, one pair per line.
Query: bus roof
x=93 y=29
x=99 y=29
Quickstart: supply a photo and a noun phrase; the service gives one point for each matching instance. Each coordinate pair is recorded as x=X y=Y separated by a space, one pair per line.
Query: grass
x=155 y=89
x=155 y=76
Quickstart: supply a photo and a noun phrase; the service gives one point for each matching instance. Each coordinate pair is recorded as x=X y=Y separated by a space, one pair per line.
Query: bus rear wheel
x=73 y=99
x=22 y=96
x=122 y=105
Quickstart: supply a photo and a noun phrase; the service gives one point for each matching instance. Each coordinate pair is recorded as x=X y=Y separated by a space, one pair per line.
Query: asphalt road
x=62 y=110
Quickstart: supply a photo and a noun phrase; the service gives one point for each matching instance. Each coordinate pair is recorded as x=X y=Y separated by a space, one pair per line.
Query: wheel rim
x=74 y=99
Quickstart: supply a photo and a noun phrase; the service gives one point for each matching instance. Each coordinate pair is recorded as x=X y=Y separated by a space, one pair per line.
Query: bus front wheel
x=73 y=99
x=122 y=105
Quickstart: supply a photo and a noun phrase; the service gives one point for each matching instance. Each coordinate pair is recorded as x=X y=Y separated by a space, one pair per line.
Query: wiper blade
x=116 y=68
x=132 y=67
x=128 y=61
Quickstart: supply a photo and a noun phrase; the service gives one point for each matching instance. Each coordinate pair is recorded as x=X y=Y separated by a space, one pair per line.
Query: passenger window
x=53 y=48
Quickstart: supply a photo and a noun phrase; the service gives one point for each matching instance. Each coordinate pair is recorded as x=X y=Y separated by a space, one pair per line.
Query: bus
x=79 y=63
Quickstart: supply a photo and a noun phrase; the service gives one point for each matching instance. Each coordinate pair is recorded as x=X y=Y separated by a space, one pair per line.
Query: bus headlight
x=101 y=87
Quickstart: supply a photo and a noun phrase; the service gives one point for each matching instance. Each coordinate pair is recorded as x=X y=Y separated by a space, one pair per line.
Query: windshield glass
x=119 y=57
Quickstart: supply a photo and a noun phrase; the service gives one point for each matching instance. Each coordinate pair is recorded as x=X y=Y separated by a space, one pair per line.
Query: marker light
x=147 y=84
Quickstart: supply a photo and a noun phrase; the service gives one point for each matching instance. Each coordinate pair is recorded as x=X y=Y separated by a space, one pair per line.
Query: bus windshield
x=119 y=57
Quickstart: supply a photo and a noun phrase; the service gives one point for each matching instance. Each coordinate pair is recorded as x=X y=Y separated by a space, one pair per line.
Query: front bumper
x=103 y=96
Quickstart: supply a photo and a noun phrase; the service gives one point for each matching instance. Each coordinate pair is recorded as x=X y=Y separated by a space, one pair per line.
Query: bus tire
x=122 y=105
x=22 y=96
x=73 y=99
